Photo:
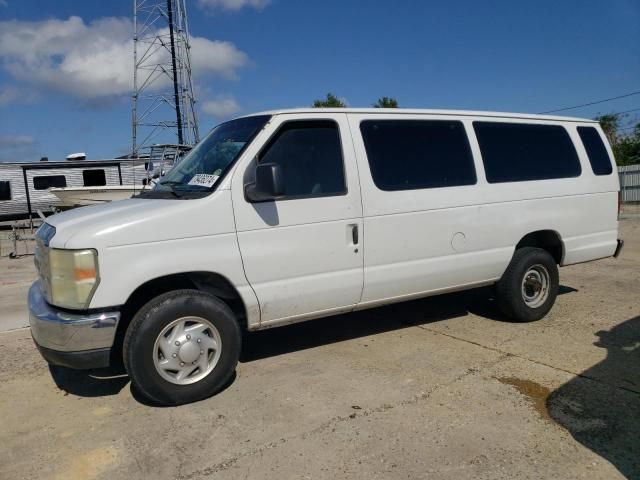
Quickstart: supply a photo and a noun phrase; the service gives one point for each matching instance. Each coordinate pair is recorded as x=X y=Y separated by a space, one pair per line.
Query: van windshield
x=203 y=167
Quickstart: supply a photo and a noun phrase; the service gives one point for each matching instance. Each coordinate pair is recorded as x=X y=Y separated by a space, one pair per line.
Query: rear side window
x=94 y=178
x=310 y=156
x=517 y=152
x=413 y=154
x=596 y=151
x=5 y=190
x=49 y=181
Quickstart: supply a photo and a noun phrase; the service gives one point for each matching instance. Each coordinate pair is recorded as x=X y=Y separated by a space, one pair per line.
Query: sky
x=66 y=67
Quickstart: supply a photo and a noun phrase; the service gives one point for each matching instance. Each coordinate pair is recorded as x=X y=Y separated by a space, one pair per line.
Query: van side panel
x=431 y=240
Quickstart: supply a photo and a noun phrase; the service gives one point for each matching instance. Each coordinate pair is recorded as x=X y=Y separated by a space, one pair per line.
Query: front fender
x=125 y=268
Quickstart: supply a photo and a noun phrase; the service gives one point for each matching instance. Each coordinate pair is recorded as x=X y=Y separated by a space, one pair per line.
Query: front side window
x=309 y=154
x=5 y=190
x=517 y=152
x=49 y=181
x=94 y=178
x=596 y=151
x=203 y=166
x=413 y=154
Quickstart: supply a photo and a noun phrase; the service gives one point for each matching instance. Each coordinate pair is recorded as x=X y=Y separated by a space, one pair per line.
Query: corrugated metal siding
x=18 y=201
x=630 y=183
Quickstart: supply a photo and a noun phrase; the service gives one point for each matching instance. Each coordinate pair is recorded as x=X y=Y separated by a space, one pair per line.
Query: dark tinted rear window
x=596 y=151
x=516 y=152
x=412 y=154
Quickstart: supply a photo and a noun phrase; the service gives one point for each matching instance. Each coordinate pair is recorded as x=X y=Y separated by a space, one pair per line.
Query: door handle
x=354 y=234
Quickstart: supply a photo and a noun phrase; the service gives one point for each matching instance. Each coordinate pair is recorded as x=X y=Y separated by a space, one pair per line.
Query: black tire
x=148 y=323
x=509 y=289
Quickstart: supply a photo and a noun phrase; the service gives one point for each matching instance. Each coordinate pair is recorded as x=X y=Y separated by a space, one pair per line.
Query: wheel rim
x=187 y=350
x=535 y=286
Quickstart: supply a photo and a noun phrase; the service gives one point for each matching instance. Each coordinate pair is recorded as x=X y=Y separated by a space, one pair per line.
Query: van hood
x=136 y=220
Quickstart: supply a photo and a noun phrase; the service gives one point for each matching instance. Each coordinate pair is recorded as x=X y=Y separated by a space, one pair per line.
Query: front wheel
x=529 y=287
x=181 y=347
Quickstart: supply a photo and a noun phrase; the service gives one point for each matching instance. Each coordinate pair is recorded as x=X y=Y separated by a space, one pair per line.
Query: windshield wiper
x=171 y=184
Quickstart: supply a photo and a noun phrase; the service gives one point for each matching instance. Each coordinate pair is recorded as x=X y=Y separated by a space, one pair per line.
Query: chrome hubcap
x=535 y=286
x=187 y=350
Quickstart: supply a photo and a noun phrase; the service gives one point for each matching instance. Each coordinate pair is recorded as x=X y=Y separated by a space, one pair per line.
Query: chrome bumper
x=60 y=331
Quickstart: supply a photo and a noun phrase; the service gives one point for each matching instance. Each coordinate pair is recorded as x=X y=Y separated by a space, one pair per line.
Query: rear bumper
x=618 y=248
x=76 y=340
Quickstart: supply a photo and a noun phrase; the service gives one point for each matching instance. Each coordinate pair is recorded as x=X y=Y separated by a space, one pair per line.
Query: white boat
x=77 y=196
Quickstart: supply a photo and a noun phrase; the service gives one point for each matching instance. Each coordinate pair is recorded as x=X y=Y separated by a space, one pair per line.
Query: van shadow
x=600 y=408
x=397 y=316
x=99 y=382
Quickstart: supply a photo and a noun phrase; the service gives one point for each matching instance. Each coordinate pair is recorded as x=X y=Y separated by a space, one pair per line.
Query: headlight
x=73 y=277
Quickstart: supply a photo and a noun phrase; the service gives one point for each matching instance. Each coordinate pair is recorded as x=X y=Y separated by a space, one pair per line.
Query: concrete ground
x=439 y=388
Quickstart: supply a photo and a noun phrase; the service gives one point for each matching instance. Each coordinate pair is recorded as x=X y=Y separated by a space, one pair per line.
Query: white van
x=292 y=215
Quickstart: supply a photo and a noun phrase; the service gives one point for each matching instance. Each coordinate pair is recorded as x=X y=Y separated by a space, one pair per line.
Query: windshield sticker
x=203 y=180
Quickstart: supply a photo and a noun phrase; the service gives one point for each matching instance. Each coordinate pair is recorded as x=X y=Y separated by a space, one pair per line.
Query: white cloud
x=233 y=5
x=220 y=107
x=93 y=60
x=16 y=141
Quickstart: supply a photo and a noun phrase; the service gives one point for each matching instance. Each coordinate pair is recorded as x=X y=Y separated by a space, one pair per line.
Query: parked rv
x=292 y=215
x=28 y=187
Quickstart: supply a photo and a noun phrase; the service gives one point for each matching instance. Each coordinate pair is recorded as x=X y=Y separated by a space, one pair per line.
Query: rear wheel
x=181 y=347
x=528 y=288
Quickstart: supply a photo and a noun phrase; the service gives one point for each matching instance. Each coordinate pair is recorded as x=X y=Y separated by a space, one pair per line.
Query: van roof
x=465 y=113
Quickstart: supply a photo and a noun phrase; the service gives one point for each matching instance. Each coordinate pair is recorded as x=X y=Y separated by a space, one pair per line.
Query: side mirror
x=269 y=183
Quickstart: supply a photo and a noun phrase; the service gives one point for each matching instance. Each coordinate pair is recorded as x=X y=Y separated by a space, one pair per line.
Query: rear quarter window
x=415 y=154
x=596 y=151
x=517 y=152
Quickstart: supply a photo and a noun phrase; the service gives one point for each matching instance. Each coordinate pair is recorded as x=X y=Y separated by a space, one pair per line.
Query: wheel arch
x=549 y=240
x=210 y=282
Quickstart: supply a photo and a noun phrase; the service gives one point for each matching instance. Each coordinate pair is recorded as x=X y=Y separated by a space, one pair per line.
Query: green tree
x=330 y=102
x=626 y=147
x=610 y=124
x=386 y=102
x=627 y=150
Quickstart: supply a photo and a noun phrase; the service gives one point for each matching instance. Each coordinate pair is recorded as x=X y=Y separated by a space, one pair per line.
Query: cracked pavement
x=440 y=388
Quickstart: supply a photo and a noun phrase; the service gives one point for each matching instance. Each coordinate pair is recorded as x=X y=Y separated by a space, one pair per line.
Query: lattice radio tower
x=163 y=100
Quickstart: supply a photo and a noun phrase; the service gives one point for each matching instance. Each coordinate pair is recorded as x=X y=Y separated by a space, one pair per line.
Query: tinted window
x=596 y=151
x=410 y=154
x=44 y=182
x=5 y=190
x=516 y=152
x=94 y=178
x=310 y=157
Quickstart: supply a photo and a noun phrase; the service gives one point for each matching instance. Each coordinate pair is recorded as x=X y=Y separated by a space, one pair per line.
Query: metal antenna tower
x=163 y=100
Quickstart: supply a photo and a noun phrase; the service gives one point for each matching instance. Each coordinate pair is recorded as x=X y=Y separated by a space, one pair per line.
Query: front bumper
x=76 y=340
